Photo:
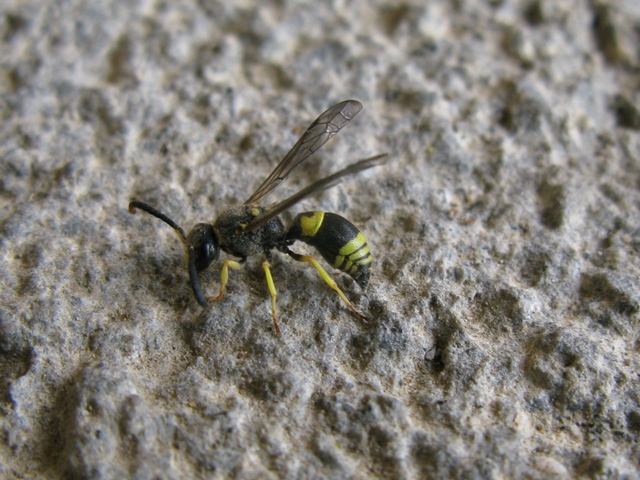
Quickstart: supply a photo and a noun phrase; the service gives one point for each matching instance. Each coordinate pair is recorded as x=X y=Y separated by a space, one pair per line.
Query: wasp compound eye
x=206 y=248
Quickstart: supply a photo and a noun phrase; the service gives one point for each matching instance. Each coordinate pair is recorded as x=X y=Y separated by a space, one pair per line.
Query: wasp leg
x=272 y=291
x=327 y=278
x=224 y=277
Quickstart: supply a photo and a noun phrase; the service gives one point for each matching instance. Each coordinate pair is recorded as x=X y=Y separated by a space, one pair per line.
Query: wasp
x=251 y=229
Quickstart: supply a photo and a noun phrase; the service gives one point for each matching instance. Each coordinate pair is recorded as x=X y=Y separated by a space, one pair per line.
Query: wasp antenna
x=134 y=204
x=193 y=277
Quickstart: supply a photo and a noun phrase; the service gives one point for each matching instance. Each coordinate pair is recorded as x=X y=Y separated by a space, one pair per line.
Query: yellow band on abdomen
x=310 y=224
x=353 y=245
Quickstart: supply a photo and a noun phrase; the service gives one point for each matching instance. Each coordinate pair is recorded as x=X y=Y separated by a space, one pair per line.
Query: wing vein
x=322 y=184
x=319 y=132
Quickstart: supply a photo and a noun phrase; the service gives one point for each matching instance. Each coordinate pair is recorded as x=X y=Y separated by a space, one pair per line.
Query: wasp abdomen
x=339 y=242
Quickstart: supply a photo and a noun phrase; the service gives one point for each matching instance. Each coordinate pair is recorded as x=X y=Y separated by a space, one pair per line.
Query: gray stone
x=501 y=338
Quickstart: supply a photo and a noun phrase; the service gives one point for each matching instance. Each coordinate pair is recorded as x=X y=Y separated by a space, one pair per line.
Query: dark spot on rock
x=391 y=17
x=518 y=112
x=552 y=199
x=15 y=352
x=94 y=109
x=533 y=13
x=245 y=144
x=500 y=309
x=119 y=59
x=605 y=34
x=627 y=114
x=361 y=349
x=598 y=287
x=592 y=467
x=278 y=77
x=13 y=23
x=535 y=267
x=14 y=79
x=633 y=421
x=271 y=386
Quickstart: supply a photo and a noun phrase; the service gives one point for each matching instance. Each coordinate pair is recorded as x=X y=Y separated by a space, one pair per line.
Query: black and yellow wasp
x=251 y=229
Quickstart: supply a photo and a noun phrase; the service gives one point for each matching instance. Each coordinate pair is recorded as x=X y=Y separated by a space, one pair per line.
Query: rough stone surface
x=502 y=339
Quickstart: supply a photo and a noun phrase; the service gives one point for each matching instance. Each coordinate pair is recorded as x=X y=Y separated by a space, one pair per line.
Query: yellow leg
x=272 y=291
x=224 y=277
x=330 y=281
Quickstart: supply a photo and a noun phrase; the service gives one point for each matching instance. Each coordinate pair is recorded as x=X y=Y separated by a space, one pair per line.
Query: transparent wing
x=319 y=132
x=322 y=184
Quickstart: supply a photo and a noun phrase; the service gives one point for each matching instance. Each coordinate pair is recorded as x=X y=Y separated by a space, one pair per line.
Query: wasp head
x=203 y=246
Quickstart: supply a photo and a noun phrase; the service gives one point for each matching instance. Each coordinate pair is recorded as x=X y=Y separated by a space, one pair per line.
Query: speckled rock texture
x=502 y=338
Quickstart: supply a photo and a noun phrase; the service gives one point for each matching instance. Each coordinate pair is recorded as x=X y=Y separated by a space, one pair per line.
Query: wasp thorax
x=205 y=245
x=230 y=225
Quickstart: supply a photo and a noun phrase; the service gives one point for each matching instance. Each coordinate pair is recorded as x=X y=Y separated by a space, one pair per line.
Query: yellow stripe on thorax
x=311 y=224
